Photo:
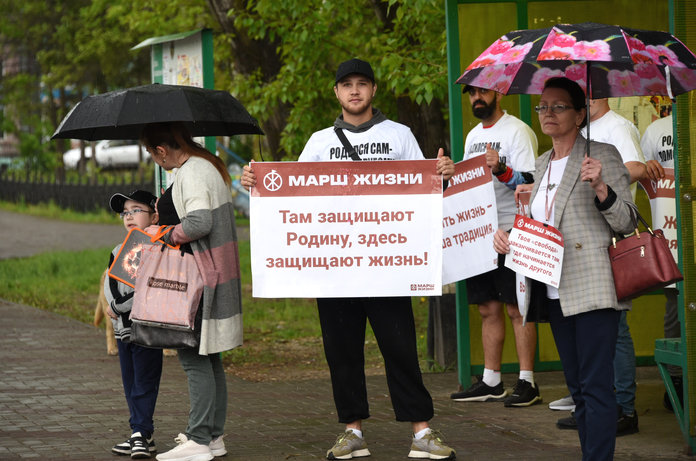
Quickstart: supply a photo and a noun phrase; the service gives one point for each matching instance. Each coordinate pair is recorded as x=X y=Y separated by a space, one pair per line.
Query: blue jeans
x=586 y=343
x=625 y=368
x=141 y=369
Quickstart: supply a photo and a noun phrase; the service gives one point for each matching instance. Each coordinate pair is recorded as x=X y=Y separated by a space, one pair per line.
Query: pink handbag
x=168 y=291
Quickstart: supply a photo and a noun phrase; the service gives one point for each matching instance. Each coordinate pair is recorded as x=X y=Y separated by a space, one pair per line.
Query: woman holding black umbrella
x=585 y=198
x=199 y=205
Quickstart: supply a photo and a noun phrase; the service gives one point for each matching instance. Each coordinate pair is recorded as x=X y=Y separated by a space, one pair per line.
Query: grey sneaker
x=564 y=404
x=431 y=446
x=348 y=446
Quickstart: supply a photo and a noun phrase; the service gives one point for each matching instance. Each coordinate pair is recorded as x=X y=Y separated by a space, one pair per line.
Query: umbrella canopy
x=121 y=114
x=608 y=61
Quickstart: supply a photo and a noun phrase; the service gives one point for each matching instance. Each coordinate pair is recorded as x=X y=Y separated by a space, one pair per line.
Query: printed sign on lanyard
x=536 y=251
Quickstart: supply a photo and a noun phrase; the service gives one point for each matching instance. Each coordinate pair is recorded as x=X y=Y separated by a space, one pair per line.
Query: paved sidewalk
x=61 y=399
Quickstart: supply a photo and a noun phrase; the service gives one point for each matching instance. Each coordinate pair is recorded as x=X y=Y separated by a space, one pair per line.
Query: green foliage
x=407 y=51
x=84 y=46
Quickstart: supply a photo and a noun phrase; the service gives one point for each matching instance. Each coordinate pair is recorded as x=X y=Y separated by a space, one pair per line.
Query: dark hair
x=176 y=136
x=576 y=93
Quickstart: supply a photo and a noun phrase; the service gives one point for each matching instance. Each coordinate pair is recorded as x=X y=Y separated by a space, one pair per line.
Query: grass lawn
x=282 y=338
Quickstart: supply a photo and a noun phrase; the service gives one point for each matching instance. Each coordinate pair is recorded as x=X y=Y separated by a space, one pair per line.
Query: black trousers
x=343 y=323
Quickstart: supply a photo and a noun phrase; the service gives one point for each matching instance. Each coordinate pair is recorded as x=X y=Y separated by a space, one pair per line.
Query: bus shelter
x=472 y=25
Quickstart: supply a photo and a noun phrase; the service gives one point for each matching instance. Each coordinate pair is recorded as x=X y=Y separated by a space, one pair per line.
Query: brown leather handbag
x=642 y=262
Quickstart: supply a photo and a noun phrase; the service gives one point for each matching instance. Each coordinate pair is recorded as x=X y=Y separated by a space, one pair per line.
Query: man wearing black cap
x=362 y=132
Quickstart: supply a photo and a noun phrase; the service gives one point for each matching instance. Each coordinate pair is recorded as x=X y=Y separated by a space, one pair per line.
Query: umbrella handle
x=588 y=64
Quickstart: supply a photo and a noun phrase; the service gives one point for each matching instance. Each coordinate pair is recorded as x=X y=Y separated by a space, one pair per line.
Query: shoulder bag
x=168 y=291
x=642 y=262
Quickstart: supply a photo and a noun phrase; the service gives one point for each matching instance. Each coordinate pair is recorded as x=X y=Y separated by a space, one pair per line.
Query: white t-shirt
x=545 y=202
x=611 y=128
x=386 y=140
x=517 y=145
x=657 y=142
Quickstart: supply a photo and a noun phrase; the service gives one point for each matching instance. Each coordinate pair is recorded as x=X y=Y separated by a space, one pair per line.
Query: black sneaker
x=626 y=424
x=481 y=392
x=124 y=448
x=524 y=394
x=139 y=447
x=568 y=423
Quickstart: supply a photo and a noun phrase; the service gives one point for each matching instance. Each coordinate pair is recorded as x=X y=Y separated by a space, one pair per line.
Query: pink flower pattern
x=502 y=61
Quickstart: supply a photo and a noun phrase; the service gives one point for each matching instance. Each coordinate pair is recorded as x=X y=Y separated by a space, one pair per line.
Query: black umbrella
x=121 y=114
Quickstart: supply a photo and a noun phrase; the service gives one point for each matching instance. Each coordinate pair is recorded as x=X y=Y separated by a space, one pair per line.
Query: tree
x=300 y=44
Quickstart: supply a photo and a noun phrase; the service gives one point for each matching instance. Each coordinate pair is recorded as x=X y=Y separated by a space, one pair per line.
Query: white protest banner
x=346 y=229
x=469 y=222
x=536 y=250
x=663 y=207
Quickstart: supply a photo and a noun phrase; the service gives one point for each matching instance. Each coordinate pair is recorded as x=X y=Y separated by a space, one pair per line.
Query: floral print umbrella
x=607 y=61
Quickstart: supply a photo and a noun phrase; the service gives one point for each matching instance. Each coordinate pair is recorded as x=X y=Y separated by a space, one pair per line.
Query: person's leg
x=564 y=331
x=127 y=375
x=147 y=367
x=596 y=333
x=220 y=395
x=394 y=327
x=525 y=338
x=492 y=335
x=625 y=368
x=671 y=323
x=202 y=394
x=343 y=323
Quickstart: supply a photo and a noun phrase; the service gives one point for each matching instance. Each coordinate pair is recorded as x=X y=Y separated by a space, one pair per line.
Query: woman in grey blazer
x=584 y=197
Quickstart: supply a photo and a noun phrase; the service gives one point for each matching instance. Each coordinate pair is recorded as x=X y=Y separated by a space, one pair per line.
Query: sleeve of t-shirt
x=310 y=153
x=647 y=143
x=411 y=149
x=523 y=150
x=627 y=142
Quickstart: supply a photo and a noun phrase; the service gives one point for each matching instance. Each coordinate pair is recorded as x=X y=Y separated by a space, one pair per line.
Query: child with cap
x=141 y=367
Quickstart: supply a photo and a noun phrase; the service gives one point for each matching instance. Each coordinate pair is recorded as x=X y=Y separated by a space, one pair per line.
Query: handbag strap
x=160 y=233
x=635 y=218
x=349 y=148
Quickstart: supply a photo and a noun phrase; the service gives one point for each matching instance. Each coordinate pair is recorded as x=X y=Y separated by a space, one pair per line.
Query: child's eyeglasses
x=123 y=214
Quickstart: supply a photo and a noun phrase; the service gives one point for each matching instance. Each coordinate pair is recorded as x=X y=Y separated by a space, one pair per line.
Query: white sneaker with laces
x=217 y=446
x=187 y=450
x=564 y=404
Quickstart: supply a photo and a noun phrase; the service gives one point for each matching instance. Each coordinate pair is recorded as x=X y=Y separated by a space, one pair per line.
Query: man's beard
x=360 y=110
x=483 y=112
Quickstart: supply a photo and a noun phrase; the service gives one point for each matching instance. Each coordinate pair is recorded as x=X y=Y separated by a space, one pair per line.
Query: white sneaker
x=187 y=450
x=564 y=404
x=217 y=446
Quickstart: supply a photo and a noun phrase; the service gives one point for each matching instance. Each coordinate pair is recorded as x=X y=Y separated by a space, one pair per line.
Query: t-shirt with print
x=516 y=145
x=386 y=140
x=657 y=142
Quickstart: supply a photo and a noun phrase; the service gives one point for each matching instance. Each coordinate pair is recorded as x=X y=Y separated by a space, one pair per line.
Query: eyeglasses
x=556 y=108
x=123 y=214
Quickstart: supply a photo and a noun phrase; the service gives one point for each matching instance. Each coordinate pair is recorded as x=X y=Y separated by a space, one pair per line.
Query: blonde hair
x=176 y=136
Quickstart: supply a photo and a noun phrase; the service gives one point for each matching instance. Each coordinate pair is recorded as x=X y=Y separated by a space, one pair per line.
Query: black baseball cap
x=354 y=66
x=141 y=196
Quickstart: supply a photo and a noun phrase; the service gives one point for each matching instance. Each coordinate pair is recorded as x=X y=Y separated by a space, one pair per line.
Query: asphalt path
x=23 y=235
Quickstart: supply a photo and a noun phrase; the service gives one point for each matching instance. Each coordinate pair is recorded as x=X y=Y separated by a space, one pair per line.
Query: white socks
x=357 y=432
x=491 y=378
x=528 y=376
x=419 y=435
